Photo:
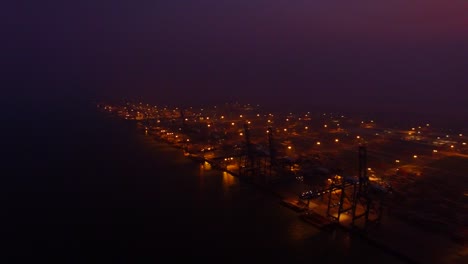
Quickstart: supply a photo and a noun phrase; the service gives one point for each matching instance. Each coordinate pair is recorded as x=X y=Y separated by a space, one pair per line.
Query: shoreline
x=316 y=221
x=387 y=241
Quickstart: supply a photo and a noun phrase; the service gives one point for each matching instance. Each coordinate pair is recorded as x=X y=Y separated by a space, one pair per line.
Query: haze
x=390 y=56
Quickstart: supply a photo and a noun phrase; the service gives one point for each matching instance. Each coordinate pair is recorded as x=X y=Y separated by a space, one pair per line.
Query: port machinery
x=253 y=164
x=358 y=199
x=355 y=197
x=261 y=164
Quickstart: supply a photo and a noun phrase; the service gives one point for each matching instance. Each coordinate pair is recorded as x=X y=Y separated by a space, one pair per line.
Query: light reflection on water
x=206 y=166
x=246 y=218
x=228 y=180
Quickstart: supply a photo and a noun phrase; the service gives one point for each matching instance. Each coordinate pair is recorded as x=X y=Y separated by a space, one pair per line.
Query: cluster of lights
x=318 y=143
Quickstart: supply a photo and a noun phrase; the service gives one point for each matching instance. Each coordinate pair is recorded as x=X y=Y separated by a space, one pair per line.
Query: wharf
x=394 y=236
x=409 y=243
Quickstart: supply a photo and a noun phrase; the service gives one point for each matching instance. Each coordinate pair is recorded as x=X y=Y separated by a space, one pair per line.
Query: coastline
x=391 y=240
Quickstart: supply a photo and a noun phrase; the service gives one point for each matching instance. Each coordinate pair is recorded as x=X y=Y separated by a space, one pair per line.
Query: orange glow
x=228 y=180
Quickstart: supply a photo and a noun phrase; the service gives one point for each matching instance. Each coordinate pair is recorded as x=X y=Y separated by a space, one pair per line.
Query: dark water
x=82 y=187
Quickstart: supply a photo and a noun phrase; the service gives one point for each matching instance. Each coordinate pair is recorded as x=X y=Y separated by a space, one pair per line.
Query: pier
x=294 y=166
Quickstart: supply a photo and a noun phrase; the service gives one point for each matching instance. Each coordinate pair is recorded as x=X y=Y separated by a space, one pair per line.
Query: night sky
x=373 y=55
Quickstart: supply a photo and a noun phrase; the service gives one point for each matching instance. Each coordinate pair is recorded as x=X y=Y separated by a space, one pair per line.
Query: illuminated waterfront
x=313 y=147
x=205 y=168
x=124 y=197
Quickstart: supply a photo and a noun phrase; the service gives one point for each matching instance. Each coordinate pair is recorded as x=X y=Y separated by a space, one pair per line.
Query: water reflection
x=206 y=166
x=201 y=178
x=228 y=180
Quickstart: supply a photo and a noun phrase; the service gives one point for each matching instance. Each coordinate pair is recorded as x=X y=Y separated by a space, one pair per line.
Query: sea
x=82 y=186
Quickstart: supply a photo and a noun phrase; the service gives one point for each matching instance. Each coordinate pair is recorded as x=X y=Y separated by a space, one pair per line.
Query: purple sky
x=376 y=55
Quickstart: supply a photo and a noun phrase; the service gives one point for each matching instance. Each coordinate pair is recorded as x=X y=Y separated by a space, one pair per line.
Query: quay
x=282 y=166
x=393 y=236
